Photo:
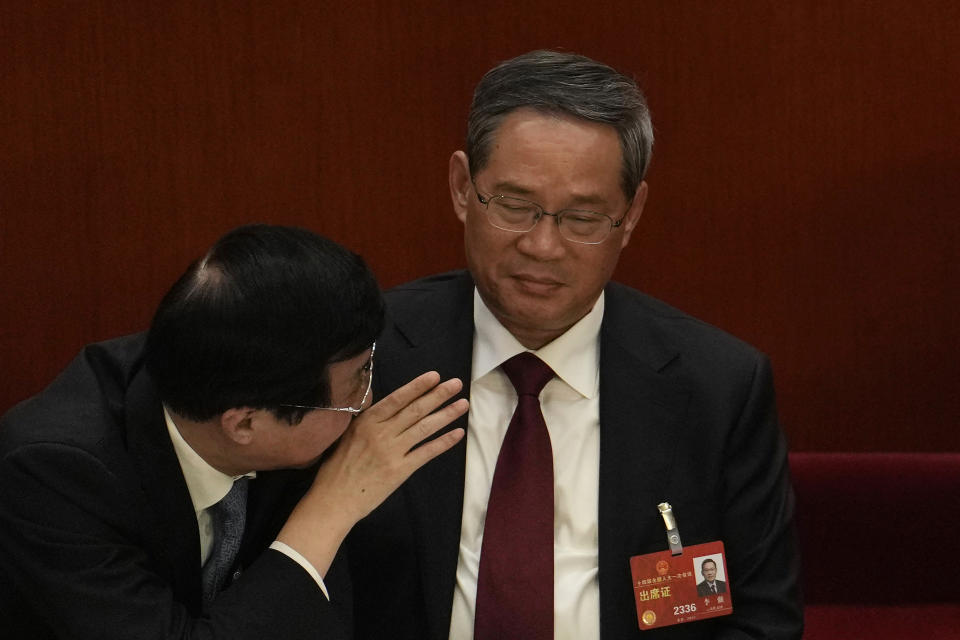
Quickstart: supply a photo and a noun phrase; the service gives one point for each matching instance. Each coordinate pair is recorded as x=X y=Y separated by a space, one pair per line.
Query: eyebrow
x=512 y=188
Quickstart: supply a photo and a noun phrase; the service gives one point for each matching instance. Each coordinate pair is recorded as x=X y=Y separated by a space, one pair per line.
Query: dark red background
x=803 y=193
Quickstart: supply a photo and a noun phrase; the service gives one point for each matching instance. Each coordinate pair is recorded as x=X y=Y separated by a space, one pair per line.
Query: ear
x=236 y=424
x=460 y=185
x=632 y=217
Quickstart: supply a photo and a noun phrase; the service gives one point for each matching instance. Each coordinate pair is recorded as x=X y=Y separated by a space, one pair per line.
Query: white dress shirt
x=207 y=486
x=571 y=410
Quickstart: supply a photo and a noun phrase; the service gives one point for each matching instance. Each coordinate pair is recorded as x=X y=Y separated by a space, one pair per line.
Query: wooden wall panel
x=803 y=191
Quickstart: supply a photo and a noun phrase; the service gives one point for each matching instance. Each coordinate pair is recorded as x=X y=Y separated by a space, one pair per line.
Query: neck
x=531 y=334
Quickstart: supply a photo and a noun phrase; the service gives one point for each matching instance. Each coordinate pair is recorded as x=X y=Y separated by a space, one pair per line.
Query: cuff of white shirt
x=294 y=555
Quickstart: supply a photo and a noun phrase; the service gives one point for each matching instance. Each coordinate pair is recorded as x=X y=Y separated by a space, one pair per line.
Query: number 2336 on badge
x=680 y=584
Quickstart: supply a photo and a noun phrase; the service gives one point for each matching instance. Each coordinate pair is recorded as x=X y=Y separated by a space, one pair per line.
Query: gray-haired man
x=642 y=404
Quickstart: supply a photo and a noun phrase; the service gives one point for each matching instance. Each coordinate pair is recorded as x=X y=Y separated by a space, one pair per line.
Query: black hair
x=257 y=321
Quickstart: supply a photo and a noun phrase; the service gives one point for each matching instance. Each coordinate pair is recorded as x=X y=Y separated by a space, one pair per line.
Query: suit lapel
x=441 y=340
x=173 y=532
x=640 y=410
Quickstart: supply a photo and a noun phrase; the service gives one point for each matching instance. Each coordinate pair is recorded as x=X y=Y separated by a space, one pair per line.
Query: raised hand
x=374 y=456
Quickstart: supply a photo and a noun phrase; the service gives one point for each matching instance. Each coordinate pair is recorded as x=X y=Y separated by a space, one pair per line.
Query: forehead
x=537 y=152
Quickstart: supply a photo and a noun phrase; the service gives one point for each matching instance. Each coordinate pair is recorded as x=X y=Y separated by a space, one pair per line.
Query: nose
x=544 y=241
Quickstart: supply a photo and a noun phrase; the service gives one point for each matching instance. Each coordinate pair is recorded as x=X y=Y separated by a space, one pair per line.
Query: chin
x=303 y=465
x=315 y=459
x=536 y=315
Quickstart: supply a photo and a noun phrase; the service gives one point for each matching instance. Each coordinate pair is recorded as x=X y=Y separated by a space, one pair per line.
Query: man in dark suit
x=643 y=404
x=710 y=586
x=147 y=492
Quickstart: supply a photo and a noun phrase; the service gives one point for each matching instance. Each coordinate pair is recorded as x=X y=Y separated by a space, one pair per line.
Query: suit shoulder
x=633 y=312
x=441 y=285
x=429 y=305
x=81 y=402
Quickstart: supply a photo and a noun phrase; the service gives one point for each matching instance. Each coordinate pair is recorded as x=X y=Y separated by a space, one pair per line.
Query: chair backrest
x=880 y=528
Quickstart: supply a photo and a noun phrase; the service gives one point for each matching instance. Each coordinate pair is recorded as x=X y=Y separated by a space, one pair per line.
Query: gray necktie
x=229 y=516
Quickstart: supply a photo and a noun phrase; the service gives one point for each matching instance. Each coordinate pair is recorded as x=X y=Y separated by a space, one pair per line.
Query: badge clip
x=673 y=533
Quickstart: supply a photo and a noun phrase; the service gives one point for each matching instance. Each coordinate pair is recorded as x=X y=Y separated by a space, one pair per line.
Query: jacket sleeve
x=758 y=516
x=74 y=540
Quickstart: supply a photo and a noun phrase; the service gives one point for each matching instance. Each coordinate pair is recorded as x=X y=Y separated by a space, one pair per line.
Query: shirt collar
x=574 y=356
x=207 y=486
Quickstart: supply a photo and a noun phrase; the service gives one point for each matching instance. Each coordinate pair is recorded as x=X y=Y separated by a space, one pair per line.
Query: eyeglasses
x=366 y=383
x=520 y=216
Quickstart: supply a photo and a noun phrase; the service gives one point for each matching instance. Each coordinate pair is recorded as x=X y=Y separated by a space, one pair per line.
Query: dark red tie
x=515 y=581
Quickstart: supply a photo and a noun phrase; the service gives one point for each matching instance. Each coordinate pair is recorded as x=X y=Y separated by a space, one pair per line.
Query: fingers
x=394 y=426
x=430 y=450
x=412 y=402
x=430 y=424
x=424 y=405
x=402 y=397
x=421 y=418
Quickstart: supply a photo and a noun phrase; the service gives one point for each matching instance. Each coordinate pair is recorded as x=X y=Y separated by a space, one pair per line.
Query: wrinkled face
x=537 y=283
x=281 y=445
x=709 y=571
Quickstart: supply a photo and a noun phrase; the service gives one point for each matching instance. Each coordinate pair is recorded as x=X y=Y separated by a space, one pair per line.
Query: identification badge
x=681 y=584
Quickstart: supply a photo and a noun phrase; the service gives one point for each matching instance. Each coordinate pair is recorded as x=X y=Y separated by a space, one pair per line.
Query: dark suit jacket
x=687 y=416
x=98 y=536
x=703 y=589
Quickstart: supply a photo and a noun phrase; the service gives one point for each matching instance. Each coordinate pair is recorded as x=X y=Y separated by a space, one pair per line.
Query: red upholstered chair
x=880 y=538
